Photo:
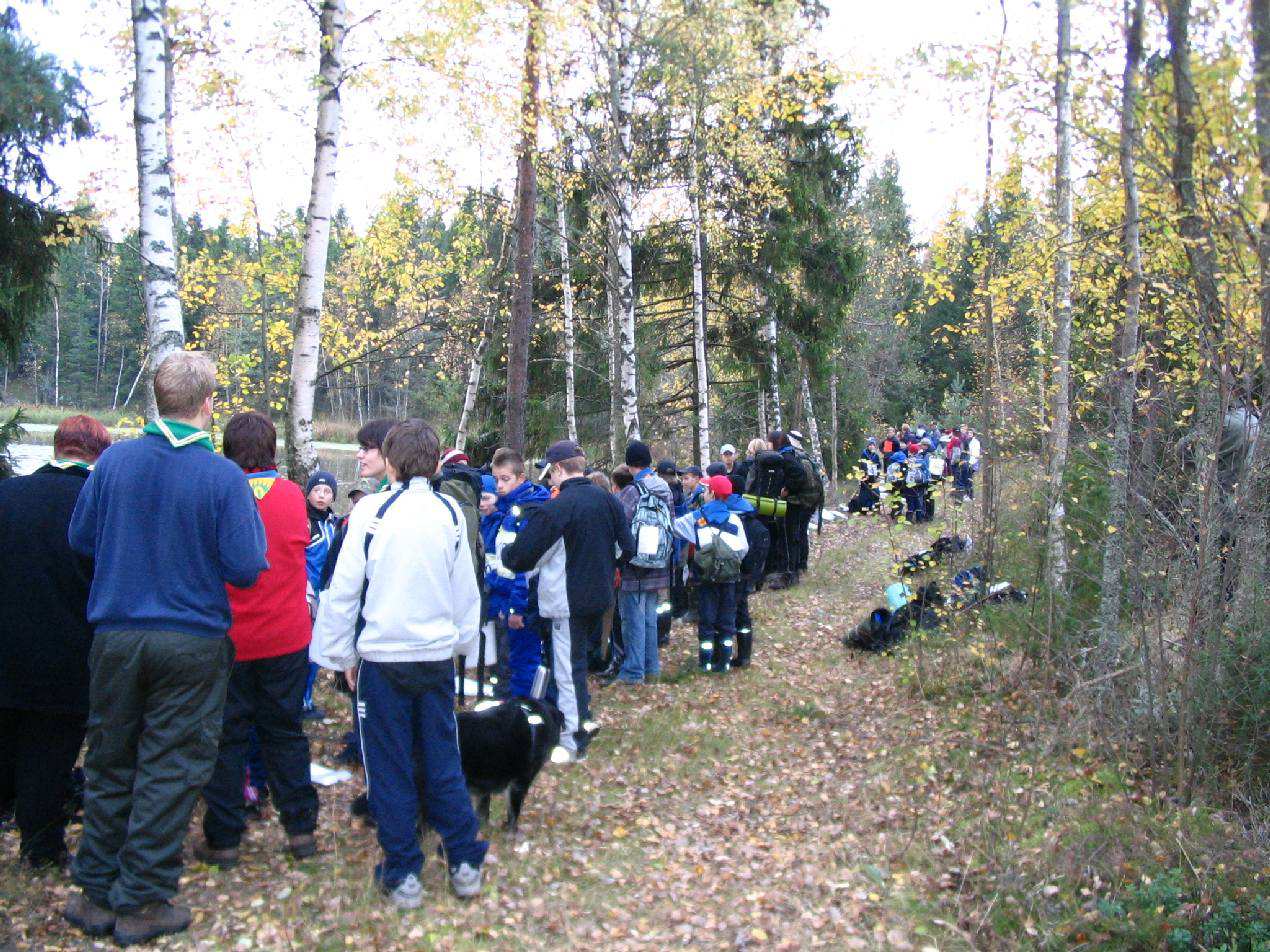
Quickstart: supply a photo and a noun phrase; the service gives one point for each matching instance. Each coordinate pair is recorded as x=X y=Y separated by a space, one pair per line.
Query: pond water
x=31 y=454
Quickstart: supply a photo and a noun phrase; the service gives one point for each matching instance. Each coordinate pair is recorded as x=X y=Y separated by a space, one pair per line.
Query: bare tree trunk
x=520 y=329
x=301 y=453
x=699 y=306
x=166 y=329
x=1254 y=578
x=566 y=306
x=991 y=370
x=57 y=349
x=762 y=411
x=474 y=378
x=1060 y=405
x=145 y=360
x=834 y=445
x=1125 y=377
x=773 y=369
x=103 y=308
x=613 y=307
x=813 y=428
x=622 y=107
x=114 y=404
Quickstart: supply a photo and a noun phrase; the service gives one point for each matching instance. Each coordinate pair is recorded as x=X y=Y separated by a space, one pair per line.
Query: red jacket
x=271 y=618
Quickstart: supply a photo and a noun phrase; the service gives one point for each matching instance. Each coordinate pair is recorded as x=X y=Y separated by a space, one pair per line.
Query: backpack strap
x=370 y=534
x=454 y=517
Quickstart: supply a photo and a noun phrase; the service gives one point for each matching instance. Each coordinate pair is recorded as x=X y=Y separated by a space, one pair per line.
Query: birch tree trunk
x=612 y=305
x=699 y=356
x=622 y=107
x=762 y=411
x=157 y=230
x=834 y=446
x=520 y=329
x=1252 y=582
x=1125 y=377
x=474 y=378
x=301 y=453
x=813 y=428
x=991 y=371
x=57 y=349
x=566 y=306
x=773 y=371
x=1060 y=405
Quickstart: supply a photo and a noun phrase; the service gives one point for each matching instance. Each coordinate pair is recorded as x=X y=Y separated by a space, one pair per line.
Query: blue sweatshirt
x=511 y=593
x=168 y=529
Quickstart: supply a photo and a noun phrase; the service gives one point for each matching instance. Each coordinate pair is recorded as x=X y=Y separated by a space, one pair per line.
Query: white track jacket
x=420 y=585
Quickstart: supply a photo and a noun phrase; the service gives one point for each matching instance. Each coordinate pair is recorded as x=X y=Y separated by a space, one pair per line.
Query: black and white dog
x=504 y=746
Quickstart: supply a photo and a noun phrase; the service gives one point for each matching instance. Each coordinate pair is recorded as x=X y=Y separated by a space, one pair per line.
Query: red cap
x=721 y=486
x=455 y=456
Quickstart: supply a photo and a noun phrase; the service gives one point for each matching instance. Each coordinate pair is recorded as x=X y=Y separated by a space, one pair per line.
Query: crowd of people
x=899 y=472
x=172 y=607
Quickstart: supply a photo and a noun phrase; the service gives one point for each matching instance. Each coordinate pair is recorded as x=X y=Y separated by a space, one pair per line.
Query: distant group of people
x=172 y=606
x=899 y=472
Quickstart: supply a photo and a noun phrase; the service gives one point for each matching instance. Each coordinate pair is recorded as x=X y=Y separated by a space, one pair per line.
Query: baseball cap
x=721 y=486
x=795 y=437
x=454 y=456
x=562 y=450
x=727 y=448
x=667 y=467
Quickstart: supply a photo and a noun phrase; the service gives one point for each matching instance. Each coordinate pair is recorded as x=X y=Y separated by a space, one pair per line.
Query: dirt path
x=818 y=799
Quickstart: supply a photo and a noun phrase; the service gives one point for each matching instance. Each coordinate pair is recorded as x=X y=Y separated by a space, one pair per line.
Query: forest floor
x=821 y=798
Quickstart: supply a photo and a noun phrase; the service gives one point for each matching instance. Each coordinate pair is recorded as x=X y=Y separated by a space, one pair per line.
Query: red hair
x=80 y=437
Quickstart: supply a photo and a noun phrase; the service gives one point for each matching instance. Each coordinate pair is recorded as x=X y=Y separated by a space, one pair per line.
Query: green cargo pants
x=156 y=700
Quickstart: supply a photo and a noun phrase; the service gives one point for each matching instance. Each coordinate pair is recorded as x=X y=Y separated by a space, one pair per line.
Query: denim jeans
x=639 y=631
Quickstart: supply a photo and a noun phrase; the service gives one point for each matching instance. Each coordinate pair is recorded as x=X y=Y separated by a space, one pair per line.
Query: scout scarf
x=179 y=434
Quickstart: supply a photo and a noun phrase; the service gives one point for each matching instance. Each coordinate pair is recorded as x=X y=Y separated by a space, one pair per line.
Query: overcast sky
x=936 y=136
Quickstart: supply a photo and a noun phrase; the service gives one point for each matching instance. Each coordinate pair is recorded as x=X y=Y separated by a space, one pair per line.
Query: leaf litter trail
x=762 y=809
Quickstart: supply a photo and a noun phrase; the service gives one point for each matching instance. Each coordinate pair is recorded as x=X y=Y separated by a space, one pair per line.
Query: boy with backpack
x=648 y=505
x=721 y=546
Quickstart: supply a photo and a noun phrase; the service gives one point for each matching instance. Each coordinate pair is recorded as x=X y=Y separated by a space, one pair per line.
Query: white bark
x=773 y=374
x=474 y=379
x=622 y=106
x=762 y=411
x=833 y=429
x=1060 y=406
x=166 y=329
x=566 y=291
x=813 y=428
x=699 y=308
x=1124 y=381
x=57 y=350
x=301 y=453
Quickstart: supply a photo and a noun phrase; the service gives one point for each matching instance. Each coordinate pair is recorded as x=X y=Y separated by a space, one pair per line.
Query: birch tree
x=520 y=329
x=773 y=373
x=1060 y=391
x=566 y=307
x=165 y=327
x=622 y=202
x=699 y=355
x=1124 y=380
x=301 y=453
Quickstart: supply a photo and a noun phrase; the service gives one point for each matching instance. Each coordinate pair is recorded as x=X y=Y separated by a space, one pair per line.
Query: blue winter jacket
x=510 y=593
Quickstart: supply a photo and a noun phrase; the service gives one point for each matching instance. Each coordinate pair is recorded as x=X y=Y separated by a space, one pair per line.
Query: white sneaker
x=465 y=880
x=408 y=893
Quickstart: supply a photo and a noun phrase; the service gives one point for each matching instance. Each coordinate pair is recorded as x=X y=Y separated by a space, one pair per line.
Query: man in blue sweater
x=169 y=523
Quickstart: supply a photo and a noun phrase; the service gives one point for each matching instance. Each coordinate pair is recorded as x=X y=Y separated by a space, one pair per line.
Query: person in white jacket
x=403 y=590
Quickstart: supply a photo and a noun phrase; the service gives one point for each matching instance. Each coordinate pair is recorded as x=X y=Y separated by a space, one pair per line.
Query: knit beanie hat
x=716 y=469
x=321 y=478
x=638 y=454
x=488 y=485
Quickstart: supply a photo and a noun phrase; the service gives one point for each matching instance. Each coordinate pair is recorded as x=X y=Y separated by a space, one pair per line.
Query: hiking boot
x=465 y=880
x=151 y=921
x=407 y=894
x=302 y=845
x=88 y=917
x=224 y=858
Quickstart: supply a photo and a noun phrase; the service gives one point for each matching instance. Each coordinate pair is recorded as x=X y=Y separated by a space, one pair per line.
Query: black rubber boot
x=744 y=646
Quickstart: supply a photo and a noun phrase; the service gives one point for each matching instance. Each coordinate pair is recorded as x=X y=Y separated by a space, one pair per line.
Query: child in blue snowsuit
x=513 y=596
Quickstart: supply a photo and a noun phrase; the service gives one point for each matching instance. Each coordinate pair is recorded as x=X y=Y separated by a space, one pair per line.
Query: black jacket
x=576 y=542
x=44 y=630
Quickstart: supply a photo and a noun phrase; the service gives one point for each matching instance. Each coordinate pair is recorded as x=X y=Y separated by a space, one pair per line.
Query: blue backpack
x=651 y=528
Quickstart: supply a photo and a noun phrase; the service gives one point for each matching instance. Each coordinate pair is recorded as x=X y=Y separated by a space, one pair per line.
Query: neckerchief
x=71 y=464
x=261 y=482
x=179 y=434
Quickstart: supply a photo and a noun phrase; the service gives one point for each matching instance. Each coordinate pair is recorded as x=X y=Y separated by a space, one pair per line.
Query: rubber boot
x=744 y=646
x=723 y=655
x=705 y=654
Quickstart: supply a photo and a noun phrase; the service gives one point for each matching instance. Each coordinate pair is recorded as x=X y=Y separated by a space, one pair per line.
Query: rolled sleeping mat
x=767 y=505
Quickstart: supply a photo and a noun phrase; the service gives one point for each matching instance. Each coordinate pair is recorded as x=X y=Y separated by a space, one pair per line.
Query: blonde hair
x=183 y=381
x=755 y=446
